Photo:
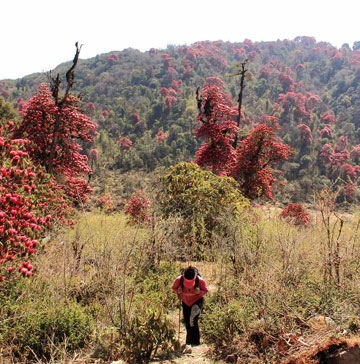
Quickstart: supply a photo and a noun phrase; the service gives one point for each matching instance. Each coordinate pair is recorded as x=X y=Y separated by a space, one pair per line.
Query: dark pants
x=192 y=332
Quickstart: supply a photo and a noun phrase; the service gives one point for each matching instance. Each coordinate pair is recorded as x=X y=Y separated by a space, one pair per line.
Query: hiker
x=191 y=288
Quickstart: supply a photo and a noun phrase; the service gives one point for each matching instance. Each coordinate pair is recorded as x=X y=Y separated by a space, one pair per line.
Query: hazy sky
x=37 y=35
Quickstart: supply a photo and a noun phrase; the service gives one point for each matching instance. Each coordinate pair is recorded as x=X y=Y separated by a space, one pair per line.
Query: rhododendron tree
x=249 y=161
x=355 y=152
x=296 y=214
x=113 y=58
x=286 y=81
x=138 y=208
x=134 y=118
x=125 y=143
x=328 y=118
x=105 y=202
x=44 y=121
x=30 y=203
x=255 y=157
x=295 y=106
x=342 y=164
x=349 y=171
x=54 y=126
x=306 y=134
x=170 y=101
x=217 y=128
x=349 y=190
x=325 y=132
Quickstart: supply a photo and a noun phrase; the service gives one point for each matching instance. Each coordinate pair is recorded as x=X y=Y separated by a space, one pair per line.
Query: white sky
x=37 y=35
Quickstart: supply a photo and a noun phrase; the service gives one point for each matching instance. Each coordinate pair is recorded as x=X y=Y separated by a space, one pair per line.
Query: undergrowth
x=103 y=289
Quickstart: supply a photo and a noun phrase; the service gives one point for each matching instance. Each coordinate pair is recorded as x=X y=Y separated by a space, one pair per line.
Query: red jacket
x=188 y=295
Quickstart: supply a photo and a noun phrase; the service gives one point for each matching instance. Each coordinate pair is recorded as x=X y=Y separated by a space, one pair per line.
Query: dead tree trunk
x=60 y=102
x=241 y=73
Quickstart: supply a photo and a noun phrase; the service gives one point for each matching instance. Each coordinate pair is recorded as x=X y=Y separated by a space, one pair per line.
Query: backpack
x=197 y=275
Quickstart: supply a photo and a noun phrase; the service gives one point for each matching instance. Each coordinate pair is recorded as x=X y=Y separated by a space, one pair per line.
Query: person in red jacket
x=191 y=288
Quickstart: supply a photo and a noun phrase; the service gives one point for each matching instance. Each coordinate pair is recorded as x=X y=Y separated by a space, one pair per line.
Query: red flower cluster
x=135 y=118
x=160 y=136
x=105 y=202
x=125 y=143
x=137 y=207
x=325 y=132
x=306 y=134
x=328 y=118
x=54 y=132
x=296 y=214
x=30 y=203
x=250 y=164
x=217 y=128
x=113 y=58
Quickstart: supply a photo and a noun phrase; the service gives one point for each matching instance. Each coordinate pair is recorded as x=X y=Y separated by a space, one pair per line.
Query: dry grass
x=281 y=272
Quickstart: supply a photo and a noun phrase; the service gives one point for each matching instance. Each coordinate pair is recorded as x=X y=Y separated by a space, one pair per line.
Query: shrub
x=150 y=332
x=296 y=214
x=225 y=319
x=137 y=208
x=39 y=331
x=200 y=197
x=157 y=284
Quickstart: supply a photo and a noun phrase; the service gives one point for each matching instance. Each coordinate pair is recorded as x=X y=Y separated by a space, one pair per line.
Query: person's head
x=189 y=277
x=189 y=273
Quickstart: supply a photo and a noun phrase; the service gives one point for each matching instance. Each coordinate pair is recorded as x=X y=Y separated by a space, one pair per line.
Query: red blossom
x=170 y=101
x=255 y=157
x=328 y=118
x=296 y=214
x=125 y=143
x=113 y=58
x=325 y=132
x=30 y=203
x=54 y=132
x=160 y=136
x=217 y=129
x=305 y=132
x=105 y=202
x=350 y=189
x=137 y=208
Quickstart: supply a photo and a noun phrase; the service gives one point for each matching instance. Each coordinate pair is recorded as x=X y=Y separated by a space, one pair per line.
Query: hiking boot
x=187 y=349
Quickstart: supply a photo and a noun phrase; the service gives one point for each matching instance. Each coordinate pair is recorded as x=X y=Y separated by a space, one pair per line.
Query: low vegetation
x=95 y=291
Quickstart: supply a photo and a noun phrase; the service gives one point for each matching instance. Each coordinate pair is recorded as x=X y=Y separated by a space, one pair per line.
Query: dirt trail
x=198 y=354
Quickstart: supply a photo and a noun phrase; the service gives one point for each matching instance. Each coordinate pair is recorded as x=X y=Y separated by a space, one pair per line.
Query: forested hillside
x=146 y=110
x=181 y=147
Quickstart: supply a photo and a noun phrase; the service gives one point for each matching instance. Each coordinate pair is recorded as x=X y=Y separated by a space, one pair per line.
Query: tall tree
x=54 y=125
x=217 y=128
x=255 y=157
x=251 y=162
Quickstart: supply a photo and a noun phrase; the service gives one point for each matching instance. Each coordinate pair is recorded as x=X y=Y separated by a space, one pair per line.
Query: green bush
x=156 y=286
x=39 y=331
x=149 y=333
x=199 y=197
x=221 y=323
